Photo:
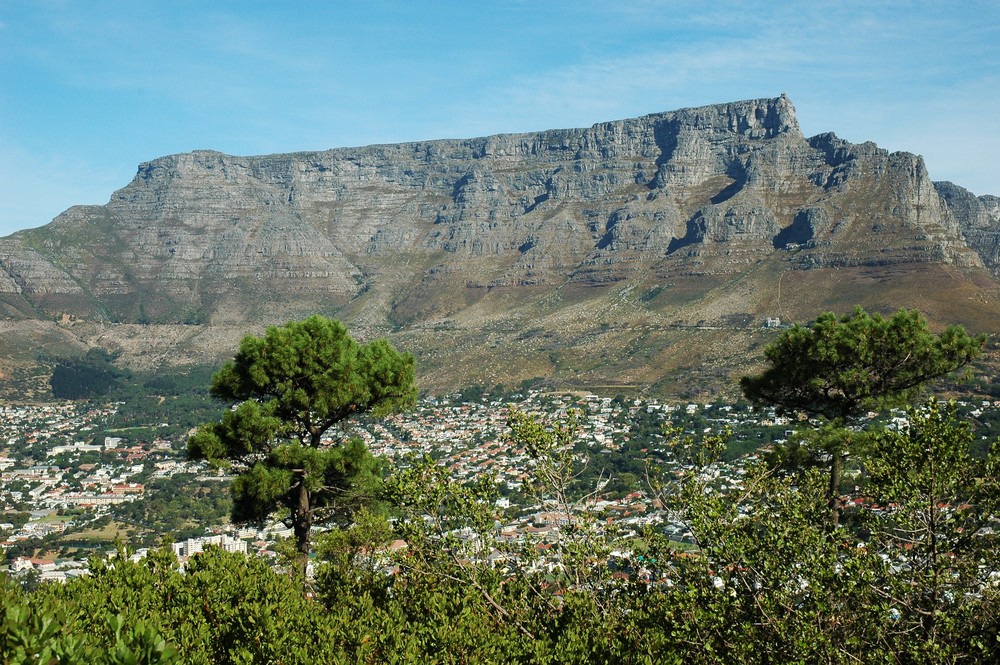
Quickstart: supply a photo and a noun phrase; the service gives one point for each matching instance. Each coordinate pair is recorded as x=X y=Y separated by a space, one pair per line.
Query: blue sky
x=88 y=90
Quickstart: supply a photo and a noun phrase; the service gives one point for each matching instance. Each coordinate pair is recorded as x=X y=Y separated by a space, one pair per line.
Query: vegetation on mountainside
x=177 y=397
x=91 y=376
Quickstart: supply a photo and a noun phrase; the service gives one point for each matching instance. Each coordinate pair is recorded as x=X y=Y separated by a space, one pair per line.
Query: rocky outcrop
x=395 y=237
x=978 y=218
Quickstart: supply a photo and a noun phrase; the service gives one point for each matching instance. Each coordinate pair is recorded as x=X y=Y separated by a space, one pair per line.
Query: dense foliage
x=289 y=388
x=767 y=579
x=840 y=368
x=92 y=375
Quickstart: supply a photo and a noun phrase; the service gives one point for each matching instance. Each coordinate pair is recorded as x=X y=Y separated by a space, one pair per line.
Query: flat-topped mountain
x=634 y=253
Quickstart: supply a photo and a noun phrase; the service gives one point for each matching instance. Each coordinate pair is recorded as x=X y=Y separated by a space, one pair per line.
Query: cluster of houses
x=470 y=439
x=51 y=462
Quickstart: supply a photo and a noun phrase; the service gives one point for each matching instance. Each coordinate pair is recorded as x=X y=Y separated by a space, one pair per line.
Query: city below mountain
x=654 y=254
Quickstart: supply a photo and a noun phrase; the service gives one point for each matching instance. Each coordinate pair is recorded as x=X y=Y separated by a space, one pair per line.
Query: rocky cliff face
x=399 y=238
x=978 y=219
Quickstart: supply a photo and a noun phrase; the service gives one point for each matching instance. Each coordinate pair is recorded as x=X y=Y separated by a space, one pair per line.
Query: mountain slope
x=642 y=252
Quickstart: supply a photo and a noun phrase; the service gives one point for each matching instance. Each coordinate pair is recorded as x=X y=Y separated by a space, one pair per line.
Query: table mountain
x=637 y=253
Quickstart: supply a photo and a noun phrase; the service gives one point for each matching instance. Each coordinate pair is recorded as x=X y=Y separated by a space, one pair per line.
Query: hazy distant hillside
x=643 y=253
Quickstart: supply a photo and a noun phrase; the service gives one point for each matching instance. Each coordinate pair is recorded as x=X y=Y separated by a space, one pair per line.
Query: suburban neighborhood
x=66 y=476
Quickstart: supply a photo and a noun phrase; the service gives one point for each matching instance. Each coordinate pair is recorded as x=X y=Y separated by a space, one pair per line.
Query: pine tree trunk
x=302 y=526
